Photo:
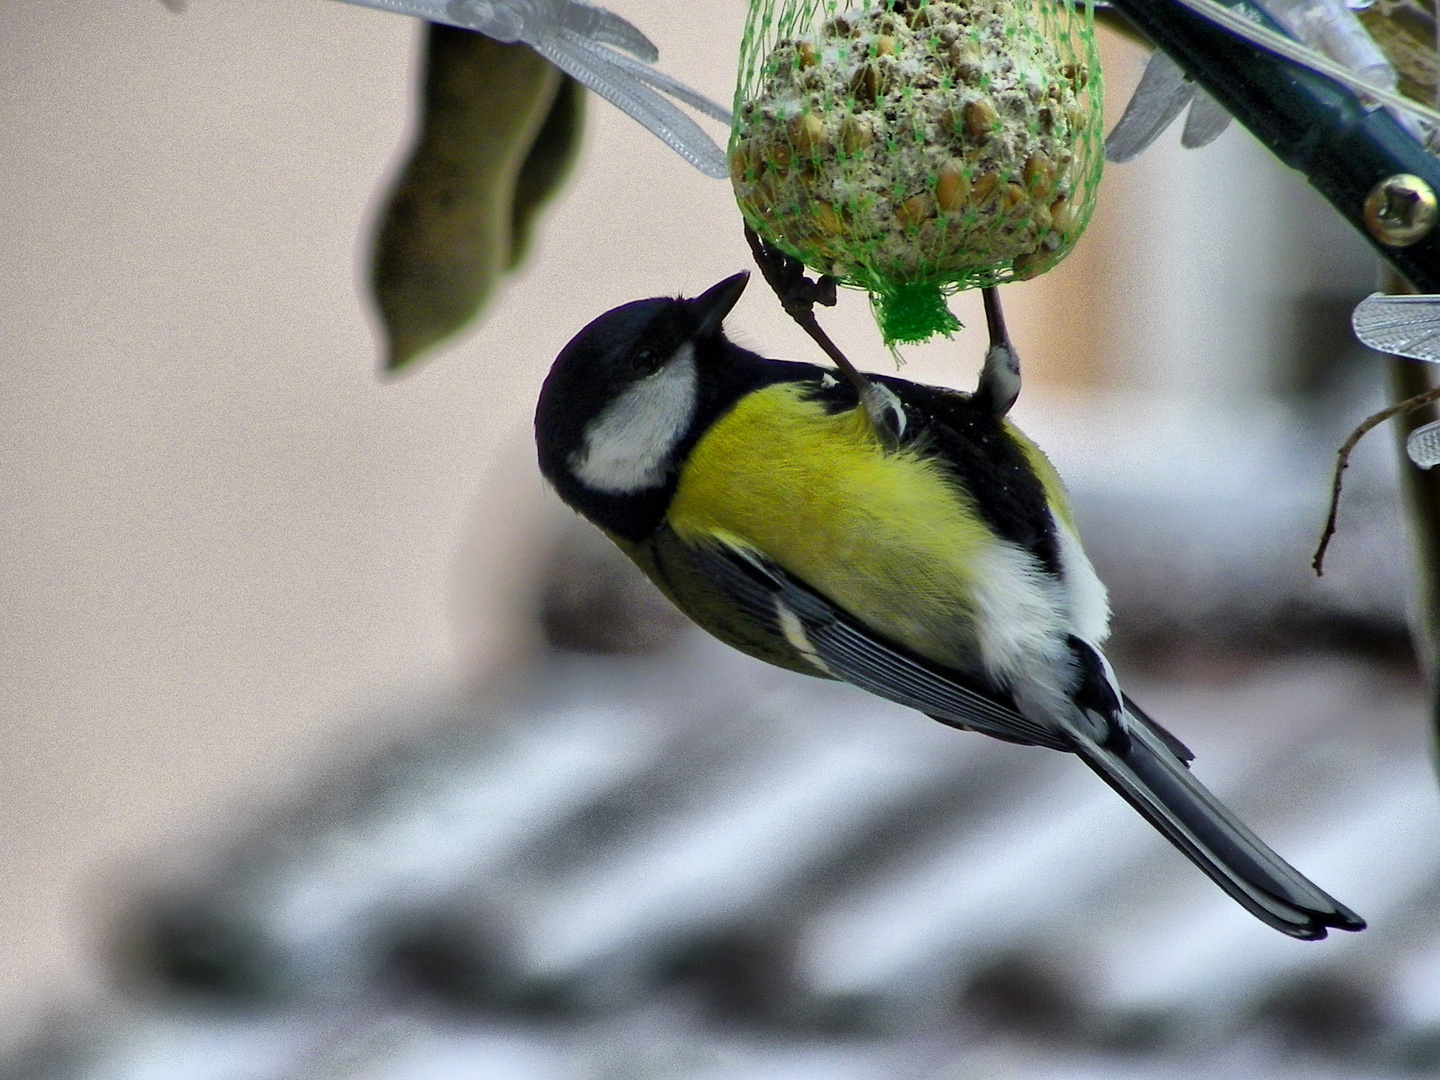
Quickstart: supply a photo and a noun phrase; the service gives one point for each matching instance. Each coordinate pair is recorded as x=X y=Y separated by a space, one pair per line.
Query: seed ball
x=865 y=85
x=827 y=219
x=780 y=154
x=1062 y=215
x=1026 y=265
x=739 y=165
x=1039 y=174
x=918 y=140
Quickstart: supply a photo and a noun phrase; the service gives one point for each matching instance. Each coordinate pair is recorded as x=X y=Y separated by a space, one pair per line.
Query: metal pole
x=1420 y=491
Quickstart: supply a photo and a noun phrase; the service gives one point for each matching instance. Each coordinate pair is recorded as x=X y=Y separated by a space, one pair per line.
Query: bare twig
x=1343 y=462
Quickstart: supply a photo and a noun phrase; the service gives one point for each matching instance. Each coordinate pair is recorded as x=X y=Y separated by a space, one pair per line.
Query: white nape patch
x=1089 y=599
x=628 y=447
x=1022 y=620
x=795 y=634
x=827 y=381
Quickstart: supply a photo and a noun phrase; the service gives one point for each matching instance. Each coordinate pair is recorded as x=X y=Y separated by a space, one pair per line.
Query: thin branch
x=1343 y=462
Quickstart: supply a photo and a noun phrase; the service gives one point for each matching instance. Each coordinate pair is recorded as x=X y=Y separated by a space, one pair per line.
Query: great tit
x=916 y=545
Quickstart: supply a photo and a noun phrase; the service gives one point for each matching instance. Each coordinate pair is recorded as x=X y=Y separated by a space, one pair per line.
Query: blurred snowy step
x=630 y=817
x=365 y=1039
x=893 y=951
x=1378 y=847
x=320 y=912
x=308 y=902
x=1054 y=856
x=824 y=779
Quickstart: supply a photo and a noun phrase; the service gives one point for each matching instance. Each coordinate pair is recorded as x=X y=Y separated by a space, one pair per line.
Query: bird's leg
x=1000 y=377
x=798 y=295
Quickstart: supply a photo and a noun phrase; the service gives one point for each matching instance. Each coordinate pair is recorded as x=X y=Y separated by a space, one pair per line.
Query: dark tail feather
x=1178 y=748
x=1153 y=780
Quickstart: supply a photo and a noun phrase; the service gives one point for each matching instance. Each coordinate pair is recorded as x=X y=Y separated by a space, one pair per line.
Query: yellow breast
x=886 y=535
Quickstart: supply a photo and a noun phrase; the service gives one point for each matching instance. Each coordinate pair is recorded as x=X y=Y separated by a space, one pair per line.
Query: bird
x=905 y=538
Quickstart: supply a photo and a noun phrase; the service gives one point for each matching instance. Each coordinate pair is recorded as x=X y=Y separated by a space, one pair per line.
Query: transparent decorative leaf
x=585 y=42
x=1423 y=445
x=1401 y=325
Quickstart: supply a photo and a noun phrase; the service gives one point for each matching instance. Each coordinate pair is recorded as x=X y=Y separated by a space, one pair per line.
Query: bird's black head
x=617 y=412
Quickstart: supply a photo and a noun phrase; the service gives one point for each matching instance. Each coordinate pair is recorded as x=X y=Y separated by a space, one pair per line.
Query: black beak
x=715 y=303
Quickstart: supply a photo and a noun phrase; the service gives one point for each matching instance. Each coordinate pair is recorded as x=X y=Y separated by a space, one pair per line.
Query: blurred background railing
x=312 y=759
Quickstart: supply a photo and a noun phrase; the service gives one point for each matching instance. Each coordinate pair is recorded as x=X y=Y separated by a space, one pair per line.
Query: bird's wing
x=840 y=644
x=1148 y=769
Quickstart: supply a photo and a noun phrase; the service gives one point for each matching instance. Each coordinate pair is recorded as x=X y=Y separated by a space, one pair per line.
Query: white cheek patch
x=628 y=447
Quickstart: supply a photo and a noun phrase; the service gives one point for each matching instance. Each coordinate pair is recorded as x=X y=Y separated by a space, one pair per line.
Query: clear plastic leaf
x=582 y=40
x=1161 y=96
x=1400 y=325
x=607 y=28
x=1205 y=122
x=594 y=66
x=1423 y=445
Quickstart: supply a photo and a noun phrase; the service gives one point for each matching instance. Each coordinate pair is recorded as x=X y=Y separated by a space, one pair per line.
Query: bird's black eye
x=644 y=362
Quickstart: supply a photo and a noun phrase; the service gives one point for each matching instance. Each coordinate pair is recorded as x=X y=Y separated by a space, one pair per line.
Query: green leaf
x=445 y=237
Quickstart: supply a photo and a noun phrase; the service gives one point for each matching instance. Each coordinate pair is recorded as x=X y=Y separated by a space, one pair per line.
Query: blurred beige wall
x=224 y=537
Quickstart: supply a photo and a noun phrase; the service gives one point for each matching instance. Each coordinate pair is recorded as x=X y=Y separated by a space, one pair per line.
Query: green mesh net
x=915 y=148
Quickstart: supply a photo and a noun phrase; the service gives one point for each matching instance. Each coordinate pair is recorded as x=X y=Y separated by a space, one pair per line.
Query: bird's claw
x=798 y=295
x=785 y=274
x=1000 y=377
